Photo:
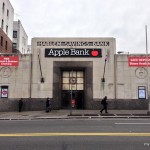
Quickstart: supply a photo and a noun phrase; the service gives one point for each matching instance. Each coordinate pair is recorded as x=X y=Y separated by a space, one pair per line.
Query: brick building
x=6 y=26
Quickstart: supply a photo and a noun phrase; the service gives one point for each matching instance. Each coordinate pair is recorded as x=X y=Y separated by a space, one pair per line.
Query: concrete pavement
x=72 y=114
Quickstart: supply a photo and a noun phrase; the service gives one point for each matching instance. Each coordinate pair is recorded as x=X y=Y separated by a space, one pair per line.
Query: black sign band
x=73 y=52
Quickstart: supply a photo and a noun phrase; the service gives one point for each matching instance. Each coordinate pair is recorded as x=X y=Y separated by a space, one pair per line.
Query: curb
x=81 y=117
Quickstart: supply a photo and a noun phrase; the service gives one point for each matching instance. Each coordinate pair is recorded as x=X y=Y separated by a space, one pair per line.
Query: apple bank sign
x=73 y=52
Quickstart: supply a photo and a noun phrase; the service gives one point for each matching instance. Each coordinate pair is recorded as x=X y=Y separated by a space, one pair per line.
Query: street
x=75 y=134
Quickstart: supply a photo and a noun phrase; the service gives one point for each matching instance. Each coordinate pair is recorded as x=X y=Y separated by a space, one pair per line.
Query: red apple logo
x=94 y=53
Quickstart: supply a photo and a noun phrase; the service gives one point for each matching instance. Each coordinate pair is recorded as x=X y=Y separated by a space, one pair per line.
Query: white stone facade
x=20 y=38
x=17 y=78
x=130 y=78
x=99 y=90
x=39 y=75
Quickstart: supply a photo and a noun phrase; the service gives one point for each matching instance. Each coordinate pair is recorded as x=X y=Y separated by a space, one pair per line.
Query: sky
x=125 y=20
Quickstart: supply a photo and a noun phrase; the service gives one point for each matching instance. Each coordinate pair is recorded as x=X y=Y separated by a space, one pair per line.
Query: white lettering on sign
x=58 y=52
x=79 y=52
x=73 y=43
x=9 y=60
x=141 y=61
x=73 y=52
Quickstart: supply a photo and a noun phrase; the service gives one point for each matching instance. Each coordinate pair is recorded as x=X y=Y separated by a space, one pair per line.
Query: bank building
x=74 y=70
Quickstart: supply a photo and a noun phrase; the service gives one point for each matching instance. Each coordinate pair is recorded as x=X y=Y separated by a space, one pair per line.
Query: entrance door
x=76 y=95
x=73 y=88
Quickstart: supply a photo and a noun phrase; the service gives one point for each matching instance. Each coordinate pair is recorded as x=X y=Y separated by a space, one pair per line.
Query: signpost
x=148 y=96
x=71 y=94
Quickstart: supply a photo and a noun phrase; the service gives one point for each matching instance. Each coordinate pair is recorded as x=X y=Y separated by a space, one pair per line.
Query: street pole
x=71 y=93
x=148 y=96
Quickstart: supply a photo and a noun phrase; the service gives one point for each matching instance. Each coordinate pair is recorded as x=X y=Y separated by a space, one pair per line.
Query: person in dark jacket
x=20 y=104
x=105 y=104
x=48 y=105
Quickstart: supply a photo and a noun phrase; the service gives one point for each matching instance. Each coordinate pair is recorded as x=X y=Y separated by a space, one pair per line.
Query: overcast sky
x=124 y=20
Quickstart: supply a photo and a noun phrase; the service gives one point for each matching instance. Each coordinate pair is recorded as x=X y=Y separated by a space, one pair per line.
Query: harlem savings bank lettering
x=73 y=52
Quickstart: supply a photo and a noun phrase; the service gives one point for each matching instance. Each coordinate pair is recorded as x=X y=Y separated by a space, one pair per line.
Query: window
x=23 y=41
x=73 y=80
x=141 y=92
x=14 y=34
x=6 y=29
x=7 y=13
x=14 y=45
x=3 y=7
x=2 y=24
x=1 y=41
x=6 y=45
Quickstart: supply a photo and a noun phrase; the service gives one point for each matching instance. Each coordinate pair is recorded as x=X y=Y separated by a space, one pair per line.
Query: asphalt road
x=98 y=134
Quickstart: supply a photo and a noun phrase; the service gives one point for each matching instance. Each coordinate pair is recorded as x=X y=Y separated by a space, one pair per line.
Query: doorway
x=78 y=96
x=73 y=89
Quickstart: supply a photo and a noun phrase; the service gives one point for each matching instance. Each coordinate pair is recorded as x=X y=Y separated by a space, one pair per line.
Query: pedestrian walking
x=48 y=104
x=20 y=104
x=105 y=104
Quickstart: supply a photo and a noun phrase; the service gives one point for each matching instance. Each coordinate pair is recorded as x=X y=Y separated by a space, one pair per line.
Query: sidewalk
x=72 y=114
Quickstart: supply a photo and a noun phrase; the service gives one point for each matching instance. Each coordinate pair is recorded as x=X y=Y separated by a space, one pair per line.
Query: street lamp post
x=103 y=79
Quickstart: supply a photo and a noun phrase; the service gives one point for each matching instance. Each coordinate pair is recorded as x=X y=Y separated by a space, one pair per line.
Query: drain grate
x=75 y=115
x=124 y=114
x=107 y=114
x=91 y=115
x=139 y=114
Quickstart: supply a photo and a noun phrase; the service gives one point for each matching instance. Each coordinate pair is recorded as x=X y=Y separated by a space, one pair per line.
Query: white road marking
x=136 y=123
